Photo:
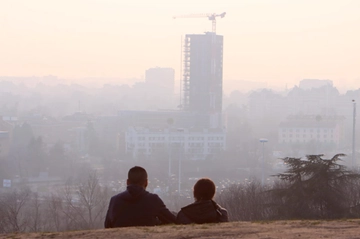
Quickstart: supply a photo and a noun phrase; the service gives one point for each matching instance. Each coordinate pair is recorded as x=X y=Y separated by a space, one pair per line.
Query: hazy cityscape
x=62 y=137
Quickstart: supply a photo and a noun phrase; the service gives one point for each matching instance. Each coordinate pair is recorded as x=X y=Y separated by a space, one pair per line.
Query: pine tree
x=314 y=188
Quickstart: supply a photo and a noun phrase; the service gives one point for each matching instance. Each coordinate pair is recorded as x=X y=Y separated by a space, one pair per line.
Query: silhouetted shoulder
x=202 y=212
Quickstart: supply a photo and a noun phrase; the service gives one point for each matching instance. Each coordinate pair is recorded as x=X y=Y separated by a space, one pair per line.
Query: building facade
x=203 y=72
x=311 y=129
x=190 y=143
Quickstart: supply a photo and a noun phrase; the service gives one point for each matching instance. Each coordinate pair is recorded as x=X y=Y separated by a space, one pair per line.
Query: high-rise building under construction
x=203 y=77
x=203 y=72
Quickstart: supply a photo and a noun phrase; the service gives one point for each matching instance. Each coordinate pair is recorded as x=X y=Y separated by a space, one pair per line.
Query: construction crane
x=211 y=16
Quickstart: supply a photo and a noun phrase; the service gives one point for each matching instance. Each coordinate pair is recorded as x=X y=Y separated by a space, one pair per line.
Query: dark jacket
x=206 y=211
x=137 y=207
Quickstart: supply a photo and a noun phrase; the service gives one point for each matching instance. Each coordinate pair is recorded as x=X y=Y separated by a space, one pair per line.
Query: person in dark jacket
x=136 y=206
x=204 y=209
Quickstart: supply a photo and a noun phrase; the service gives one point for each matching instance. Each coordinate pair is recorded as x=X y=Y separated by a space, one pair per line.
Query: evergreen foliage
x=314 y=188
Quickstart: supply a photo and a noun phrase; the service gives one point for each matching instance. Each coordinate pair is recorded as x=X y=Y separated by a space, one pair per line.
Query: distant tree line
x=311 y=188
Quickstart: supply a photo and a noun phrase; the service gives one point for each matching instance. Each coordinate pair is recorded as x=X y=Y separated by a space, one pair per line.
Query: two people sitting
x=138 y=207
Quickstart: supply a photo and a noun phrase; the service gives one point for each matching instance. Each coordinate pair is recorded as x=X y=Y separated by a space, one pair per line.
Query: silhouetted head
x=204 y=189
x=138 y=176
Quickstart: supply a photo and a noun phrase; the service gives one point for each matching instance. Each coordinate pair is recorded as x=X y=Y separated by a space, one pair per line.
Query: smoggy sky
x=275 y=41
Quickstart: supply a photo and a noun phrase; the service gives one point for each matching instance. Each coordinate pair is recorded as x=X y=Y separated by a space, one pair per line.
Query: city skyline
x=275 y=42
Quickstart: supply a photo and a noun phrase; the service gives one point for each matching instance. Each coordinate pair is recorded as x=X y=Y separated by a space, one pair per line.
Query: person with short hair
x=136 y=206
x=204 y=209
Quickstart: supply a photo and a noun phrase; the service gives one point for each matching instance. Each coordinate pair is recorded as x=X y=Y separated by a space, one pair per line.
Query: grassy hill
x=275 y=229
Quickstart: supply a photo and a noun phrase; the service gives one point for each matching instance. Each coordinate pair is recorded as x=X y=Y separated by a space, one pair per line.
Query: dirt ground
x=265 y=230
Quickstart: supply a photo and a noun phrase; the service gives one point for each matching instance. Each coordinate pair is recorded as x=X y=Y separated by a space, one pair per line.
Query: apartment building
x=193 y=144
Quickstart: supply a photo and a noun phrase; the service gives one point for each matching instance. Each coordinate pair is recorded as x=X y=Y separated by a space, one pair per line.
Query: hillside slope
x=276 y=229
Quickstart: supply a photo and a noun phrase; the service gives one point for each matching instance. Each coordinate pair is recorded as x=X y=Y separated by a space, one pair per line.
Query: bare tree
x=94 y=199
x=2 y=218
x=353 y=192
x=245 y=202
x=84 y=203
x=13 y=205
x=54 y=209
x=78 y=206
x=35 y=213
x=73 y=211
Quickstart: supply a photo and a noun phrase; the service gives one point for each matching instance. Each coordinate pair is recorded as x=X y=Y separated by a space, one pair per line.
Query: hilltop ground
x=265 y=230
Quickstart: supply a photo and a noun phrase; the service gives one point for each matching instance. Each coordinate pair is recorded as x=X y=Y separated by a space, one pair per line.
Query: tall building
x=196 y=131
x=203 y=73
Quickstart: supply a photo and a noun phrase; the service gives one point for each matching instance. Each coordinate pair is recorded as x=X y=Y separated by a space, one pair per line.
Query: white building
x=194 y=144
x=306 y=129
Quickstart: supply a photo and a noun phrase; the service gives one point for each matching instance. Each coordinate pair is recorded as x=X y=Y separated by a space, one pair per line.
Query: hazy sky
x=277 y=41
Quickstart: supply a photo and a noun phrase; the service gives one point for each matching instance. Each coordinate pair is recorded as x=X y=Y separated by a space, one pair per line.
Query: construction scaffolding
x=202 y=72
x=186 y=72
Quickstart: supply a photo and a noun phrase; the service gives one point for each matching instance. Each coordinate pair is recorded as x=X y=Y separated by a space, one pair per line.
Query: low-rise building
x=194 y=144
x=307 y=129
